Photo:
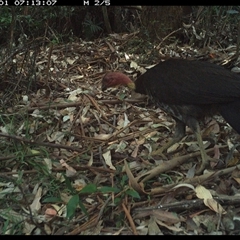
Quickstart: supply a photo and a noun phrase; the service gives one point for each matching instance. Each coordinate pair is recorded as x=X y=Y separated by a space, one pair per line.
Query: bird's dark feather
x=192 y=90
x=179 y=81
x=231 y=113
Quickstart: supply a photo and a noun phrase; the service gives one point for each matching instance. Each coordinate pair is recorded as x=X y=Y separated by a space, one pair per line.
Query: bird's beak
x=104 y=87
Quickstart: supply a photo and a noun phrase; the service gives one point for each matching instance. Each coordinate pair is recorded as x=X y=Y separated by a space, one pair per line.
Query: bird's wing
x=190 y=82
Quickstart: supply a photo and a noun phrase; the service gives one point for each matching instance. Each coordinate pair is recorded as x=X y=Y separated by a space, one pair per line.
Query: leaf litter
x=86 y=166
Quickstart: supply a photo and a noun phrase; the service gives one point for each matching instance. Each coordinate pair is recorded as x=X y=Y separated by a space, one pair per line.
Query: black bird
x=188 y=90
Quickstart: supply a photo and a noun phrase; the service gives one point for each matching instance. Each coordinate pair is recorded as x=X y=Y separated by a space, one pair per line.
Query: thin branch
x=129 y=217
x=52 y=145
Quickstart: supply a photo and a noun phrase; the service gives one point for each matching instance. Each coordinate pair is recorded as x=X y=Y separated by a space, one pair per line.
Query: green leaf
x=90 y=188
x=117 y=201
x=133 y=193
x=122 y=96
x=124 y=180
x=83 y=208
x=72 y=206
x=52 y=200
x=68 y=183
x=109 y=189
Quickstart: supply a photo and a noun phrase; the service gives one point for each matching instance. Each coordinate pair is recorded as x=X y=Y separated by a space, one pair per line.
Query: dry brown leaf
x=121 y=146
x=123 y=121
x=135 y=151
x=50 y=212
x=136 y=145
x=134 y=65
x=85 y=120
x=36 y=204
x=79 y=184
x=233 y=161
x=47 y=229
x=56 y=136
x=236 y=173
x=237 y=180
x=134 y=184
x=214 y=205
x=28 y=228
x=140 y=141
x=168 y=217
x=213 y=127
x=153 y=228
x=70 y=171
x=90 y=161
x=119 y=231
x=102 y=136
x=208 y=200
x=216 y=153
x=174 y=147
x=48 y=163
x=61 y=210
x=150 y=135
x=107 y=157
x=172 y=228
x=184 y=185
x=202 y=192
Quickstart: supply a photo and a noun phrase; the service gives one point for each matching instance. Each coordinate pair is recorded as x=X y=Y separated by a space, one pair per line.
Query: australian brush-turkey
x=188 y=91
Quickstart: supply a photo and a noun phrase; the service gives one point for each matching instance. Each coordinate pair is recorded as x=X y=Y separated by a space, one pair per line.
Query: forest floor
x=76 y=160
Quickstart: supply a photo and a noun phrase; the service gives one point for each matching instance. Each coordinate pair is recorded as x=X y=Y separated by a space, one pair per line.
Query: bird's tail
x=231 y=113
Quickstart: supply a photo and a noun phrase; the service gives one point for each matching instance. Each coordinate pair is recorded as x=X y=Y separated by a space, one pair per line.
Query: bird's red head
x=113 y=79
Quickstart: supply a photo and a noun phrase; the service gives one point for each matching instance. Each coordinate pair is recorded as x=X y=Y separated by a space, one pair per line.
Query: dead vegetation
x=76 y=160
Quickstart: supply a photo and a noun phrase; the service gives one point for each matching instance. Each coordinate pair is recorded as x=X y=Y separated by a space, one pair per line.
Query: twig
x=96 y=169
x=101 y=157
x=175 y=206
x=167 y=37
x=11 y=157
x=52 y=145
x=168 y=165
x=91 y=223
x=80 y=122
x=56 y=106
x=189 y=204
x=103 y=207
x=113 y=50
x=75 y=104
x=132 y=135
x=195 y=180
x=96 y=105
x=129 y=125
x=129 y=217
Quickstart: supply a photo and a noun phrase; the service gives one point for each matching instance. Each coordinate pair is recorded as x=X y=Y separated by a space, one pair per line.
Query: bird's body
x=188 y=90
x=191 y=88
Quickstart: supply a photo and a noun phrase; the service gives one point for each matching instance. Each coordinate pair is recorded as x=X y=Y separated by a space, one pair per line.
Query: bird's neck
x=125 y=80
x=131 y=85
